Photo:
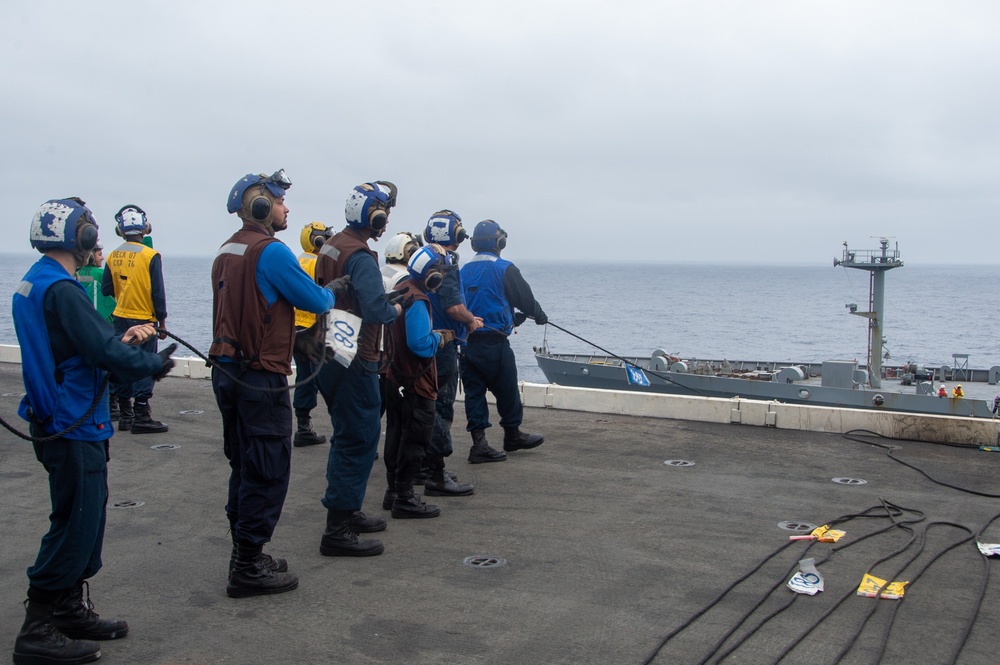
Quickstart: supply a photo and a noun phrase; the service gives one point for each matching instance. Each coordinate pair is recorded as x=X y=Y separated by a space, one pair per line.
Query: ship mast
x=876 y=262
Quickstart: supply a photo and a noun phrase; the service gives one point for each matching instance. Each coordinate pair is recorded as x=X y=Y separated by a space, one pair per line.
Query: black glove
x=399 y=298
x=394 y=297
x=519 y=318
x=540 y=318
x=309 y=342
x=168 y=362
x=340 y=287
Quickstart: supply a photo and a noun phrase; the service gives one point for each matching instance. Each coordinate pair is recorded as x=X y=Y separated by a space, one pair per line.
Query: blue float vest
x=485 y=295
x=54 y=404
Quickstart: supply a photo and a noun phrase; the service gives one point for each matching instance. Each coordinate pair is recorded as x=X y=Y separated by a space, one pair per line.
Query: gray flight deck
x=606 y=547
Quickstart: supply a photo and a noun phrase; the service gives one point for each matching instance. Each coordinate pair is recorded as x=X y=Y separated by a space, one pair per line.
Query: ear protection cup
x=118 y=231
x=460 y=235
x=318 y=240
x=86 y=237
x=488 y=237
x=378 y=219
x=433 y=280
x=260 y=208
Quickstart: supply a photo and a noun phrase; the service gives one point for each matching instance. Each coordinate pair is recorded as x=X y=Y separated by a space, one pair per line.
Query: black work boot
x=273 y=563
x=481 y=450
x=125 y=414
x=40 y=642
x=442 y=483
x=340 y=539
x=75 y=618
x=144 y=423
x=362 y=523
x=515 y=439
x=113 y=408
x=252 y=576
x=304 y=434
x=409 y=505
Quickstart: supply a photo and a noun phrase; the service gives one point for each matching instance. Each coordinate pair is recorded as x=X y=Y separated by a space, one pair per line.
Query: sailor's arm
x=519 y=295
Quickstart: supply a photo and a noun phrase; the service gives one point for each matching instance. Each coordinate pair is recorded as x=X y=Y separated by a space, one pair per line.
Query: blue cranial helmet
x=428 y=266
x=380 y=194
x=445 y=228
x=64 y=224
x=275 y=183
x=488 y=237
x=131 y=220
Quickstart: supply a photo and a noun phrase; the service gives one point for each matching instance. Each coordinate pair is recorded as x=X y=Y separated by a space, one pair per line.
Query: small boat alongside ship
x=833 y=383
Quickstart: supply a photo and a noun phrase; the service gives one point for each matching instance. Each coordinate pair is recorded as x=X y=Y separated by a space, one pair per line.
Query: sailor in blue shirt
x=494 y=288
x=68 y=351
x=449 y=313
x=257 y=284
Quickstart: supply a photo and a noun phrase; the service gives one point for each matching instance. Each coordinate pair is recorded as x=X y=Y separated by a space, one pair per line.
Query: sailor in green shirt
x=90 y=276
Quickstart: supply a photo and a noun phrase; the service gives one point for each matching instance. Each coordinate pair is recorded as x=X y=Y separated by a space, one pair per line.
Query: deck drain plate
x=165 y=446
x=679 y=462
x=483 y=561
x=191 y=412
x=849 y=481
x=800 y=527
x=128 y=503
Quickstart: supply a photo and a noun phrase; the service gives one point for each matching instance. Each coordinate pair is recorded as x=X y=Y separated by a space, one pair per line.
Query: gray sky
x=764 y=131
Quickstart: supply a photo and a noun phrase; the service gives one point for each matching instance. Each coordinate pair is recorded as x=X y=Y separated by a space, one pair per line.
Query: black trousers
x=409 y=423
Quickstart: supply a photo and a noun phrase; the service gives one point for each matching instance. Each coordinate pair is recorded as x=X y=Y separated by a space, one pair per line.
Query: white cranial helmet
x=401 y=247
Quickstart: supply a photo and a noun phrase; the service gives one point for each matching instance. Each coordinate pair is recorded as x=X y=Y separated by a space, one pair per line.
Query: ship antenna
x=877 y=262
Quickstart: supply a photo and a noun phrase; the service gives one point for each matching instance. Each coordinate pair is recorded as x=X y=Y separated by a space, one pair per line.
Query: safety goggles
x=280 y=179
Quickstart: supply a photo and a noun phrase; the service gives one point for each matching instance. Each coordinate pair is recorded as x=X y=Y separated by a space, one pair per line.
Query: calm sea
x=739 y=312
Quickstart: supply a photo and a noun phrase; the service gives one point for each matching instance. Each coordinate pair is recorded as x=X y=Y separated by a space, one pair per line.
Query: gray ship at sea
x=835 y=383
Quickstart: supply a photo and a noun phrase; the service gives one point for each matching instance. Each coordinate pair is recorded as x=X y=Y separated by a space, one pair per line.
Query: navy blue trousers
x=487 y=363
x=143 y=388
x=78 y=488
x=257 y=439
x=354 y=403
x=304 y=395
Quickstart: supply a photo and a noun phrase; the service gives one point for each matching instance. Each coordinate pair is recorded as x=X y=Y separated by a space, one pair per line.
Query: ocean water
x=739 y=312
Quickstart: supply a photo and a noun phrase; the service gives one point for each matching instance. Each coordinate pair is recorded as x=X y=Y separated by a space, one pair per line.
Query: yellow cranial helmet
x=313 y=235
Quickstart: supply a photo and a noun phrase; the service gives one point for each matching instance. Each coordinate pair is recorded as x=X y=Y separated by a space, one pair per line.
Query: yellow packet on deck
x=825 y=534
x=871 y=584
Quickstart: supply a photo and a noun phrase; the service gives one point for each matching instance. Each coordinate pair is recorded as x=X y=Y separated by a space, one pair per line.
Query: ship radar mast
x=876 y=262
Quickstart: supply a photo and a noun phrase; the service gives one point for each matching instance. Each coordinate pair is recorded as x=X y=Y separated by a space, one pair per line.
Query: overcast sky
x=753 y=131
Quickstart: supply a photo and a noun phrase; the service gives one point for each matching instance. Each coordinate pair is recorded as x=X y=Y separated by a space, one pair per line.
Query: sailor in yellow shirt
x=312 y=237
x=133 y=274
